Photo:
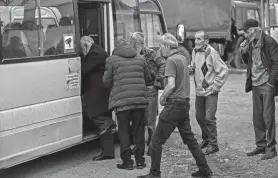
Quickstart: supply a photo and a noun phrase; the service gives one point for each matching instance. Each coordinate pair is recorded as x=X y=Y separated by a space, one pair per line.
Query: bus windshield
x=33 y=28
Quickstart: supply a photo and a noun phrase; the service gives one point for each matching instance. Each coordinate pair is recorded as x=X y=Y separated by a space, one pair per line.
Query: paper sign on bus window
x=68 y=43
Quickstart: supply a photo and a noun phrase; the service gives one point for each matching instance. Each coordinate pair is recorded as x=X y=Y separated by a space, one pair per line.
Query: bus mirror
x=180 y=33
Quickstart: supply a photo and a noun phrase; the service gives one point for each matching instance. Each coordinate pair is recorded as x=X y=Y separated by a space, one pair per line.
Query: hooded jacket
x=126 y=73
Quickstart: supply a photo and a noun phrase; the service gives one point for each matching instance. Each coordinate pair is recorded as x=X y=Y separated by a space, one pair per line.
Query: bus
x=40 y=67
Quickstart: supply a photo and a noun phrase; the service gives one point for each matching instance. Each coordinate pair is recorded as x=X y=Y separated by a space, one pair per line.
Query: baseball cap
x=249 y=23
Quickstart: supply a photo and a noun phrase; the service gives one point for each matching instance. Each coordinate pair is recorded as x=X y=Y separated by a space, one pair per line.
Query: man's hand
x=214 y=91
x=162 y=101
x=243 y=44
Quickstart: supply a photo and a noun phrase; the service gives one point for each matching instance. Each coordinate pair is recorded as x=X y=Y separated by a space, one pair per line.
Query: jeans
x=206 y=107
x=175 y=114
x=151 y=111
x=264 y=117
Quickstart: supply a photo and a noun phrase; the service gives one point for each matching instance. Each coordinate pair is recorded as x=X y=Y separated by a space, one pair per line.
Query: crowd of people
x=128 y=81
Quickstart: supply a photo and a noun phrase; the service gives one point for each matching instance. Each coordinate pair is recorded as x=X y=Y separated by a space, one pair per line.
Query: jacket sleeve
x=221 y=70
x=107 y=78
x=94 y=59
x=160 y=61
x=273 y=53
x=147 y=75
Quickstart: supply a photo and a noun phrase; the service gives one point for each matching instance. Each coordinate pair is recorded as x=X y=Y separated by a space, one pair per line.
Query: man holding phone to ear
x=261 y=52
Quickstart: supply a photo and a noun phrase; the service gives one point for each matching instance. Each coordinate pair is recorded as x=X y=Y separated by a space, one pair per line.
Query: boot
x=204 y=144
x=202 y=172
x=127 y=161
x=126 y=166
x=211 y=149
x=256 y=151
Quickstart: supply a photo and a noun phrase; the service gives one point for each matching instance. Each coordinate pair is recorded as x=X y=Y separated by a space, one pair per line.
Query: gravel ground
x=235 y=134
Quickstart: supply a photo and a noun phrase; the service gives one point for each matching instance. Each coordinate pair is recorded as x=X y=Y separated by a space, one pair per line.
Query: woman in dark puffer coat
x=127 y=73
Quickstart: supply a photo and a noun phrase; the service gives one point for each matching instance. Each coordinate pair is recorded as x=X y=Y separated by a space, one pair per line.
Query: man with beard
x=261 y=52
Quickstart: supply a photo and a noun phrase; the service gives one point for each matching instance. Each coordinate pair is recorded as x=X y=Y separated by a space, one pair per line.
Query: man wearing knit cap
x=261 y=53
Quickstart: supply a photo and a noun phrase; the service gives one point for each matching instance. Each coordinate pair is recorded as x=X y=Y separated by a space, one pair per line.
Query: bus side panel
x=31 y=83
x=42 y=112
x=40 y=109
x=25 y=144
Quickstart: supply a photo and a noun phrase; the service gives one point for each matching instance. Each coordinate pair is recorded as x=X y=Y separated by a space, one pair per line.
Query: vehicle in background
x=213 y=16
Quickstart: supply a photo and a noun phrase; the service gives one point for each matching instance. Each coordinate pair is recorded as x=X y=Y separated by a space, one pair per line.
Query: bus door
x=90 y=20
x=91 y=23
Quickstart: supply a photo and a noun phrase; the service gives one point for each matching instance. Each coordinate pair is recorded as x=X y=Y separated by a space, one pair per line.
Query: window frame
x=255 y=11
x=158 y=13
x=115 y=18
x=140 y=12
x=159 y=18
x=48 y=57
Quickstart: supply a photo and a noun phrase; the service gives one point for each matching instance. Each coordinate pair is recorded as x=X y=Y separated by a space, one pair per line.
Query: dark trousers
x=175 y=114
x=136 y=116
x=264 y=117
x=107 y=144
x=206 y=107
x=106 y=139
x=151 y=111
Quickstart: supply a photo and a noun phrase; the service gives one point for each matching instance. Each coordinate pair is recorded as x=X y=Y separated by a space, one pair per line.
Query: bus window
x=59 y=38
x=30 y=30
x=150 y=16
x=126 y=18
x=239 y=17
x=151 y=28
x=252 y=14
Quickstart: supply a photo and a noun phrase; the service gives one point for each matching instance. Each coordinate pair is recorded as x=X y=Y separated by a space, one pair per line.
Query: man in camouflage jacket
x=156 y=65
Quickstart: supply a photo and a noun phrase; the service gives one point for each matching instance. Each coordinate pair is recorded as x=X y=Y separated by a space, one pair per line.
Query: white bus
x=40 y=67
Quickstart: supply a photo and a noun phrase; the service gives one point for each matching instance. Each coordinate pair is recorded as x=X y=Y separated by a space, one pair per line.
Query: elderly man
x=175 y=98
x=261 y=52
x=156 y=65
x=210 y=75
x=95 y=96
x=127 y=74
